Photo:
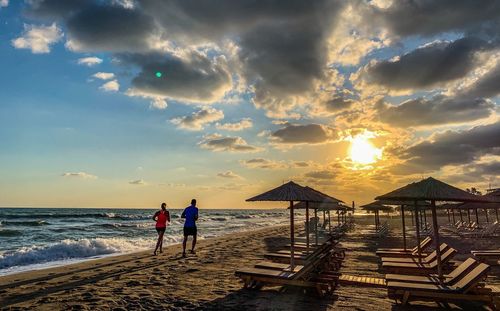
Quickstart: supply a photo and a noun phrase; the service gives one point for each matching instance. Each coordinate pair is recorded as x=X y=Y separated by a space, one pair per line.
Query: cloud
x=427 y=18
x=104 y=75
x=230 y=175
x=438 y=110
x=191 y=78
x=137 y=182
x=221 y=143
x=82 y=175
x=450 y=148
x=429 y=65
x=322 y=174
x=487 y=85
x=4 y=3
x=304 y=134
x=264 y=164
x=38 y=38
x=110 y=86
x=89 y=61
x=237 y=126
x=197 y=120
x=96 y=27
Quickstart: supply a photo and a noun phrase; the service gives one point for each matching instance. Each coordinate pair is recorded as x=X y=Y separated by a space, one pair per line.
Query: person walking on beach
x=191 y=216
x=162 y=218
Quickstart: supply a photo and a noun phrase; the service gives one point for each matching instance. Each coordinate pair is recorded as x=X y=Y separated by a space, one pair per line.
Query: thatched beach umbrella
x=289 y=192
x=433 y=190
x=316 y=207
x=404 y=204
x=375 y=207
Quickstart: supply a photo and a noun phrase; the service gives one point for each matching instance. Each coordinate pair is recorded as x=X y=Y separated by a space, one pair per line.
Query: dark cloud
x=110 y=28
x=304 y=134
x=426 y=66
x=336 y=103
x=226 y=143
x=193 y=78
x=55 y=9
x=487 y=85
x=438 y=110
x=424 y=17
x=451 y=148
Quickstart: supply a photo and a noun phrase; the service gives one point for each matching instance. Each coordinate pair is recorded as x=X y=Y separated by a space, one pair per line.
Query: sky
x=129 y=103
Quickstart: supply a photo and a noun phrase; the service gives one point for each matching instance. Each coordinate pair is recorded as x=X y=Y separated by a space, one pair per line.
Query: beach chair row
x=316 y=268
x=472 y=229
x=413 y=278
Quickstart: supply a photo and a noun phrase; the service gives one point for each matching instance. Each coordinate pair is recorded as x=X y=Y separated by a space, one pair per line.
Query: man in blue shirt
x=191 y=216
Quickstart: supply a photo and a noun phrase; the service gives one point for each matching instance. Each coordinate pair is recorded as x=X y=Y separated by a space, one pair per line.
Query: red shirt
x=161 y=219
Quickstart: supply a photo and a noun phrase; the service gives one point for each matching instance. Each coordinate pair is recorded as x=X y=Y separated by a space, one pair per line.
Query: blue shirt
x=190 y=213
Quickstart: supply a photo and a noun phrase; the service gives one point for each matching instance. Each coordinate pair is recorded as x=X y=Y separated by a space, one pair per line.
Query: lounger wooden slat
x=449 y=279
x=465 y=289
x=428 y=259
x=419 y=269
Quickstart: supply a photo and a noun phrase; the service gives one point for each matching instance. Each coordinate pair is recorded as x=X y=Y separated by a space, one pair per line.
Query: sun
x=362 y=151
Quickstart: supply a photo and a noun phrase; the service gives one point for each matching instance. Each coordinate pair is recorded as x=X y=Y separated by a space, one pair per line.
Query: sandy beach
x=206 y=281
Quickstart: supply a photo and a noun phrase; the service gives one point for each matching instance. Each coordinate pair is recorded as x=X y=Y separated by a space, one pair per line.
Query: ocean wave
x=78 y=215
x=7 y=233
x=71 y=249
x=34 y=223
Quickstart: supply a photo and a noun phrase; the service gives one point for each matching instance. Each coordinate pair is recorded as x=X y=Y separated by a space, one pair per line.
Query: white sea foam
x=71 y=249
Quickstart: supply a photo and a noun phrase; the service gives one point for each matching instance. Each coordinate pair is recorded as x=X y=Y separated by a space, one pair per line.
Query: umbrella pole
x=307 y=226
x=404 y=228
x=486 y=214
x=460 y=212
x=338 y=218
x=425 y=219
x=324 y=220
x=329 y=222
x=417 y=226
x=453 y=215
x=496 y=213
x=477 y=217
x=468 y=214
x=436 y=240
x=448 y=213
x=316 y=226
x=412 y=221
x=292 y=239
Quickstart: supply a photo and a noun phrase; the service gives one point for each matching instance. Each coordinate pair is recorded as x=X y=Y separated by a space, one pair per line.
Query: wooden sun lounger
x=487 y=256
x=309 y=276
x=299 y=257
x=400 y=252
x=468 y=288
x=449 y=279
x=332 y=263
x=420 y=269
x=428 y=259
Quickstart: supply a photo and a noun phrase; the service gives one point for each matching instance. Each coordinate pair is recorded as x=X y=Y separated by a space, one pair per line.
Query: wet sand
x=206 y=281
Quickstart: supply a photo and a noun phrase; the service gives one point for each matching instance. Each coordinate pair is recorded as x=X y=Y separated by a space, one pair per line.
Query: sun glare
x=362 y=151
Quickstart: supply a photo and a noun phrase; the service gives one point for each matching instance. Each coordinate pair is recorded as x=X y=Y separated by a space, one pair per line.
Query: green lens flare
x=158 y=74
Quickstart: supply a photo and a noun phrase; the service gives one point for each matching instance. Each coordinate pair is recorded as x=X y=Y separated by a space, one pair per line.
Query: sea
x=37 y=238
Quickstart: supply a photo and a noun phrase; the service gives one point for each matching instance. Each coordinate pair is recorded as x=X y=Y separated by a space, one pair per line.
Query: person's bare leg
x=193 y=244
x=184 y=246
x=161 y=243
x=160 y=238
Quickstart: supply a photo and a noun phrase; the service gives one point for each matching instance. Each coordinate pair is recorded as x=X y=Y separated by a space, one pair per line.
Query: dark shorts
x=161 y=230
x=190 y=231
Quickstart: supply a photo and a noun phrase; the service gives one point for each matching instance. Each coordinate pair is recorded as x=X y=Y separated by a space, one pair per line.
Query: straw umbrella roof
x=432 y=189
x=289 y=192
x=329 y=198
x=474 y=205
x=495 y=193
x=318 y=205
x=376 y=206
